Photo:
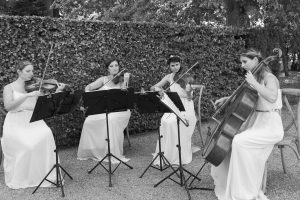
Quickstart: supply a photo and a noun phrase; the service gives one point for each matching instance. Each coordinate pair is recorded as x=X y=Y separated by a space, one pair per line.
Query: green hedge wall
x=81 y=47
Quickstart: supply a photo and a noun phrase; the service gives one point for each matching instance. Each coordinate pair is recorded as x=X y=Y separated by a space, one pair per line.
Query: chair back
x=197 y=102
x=295 y=120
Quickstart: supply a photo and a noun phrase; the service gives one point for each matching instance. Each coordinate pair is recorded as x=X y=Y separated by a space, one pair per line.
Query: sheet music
x=168 y=102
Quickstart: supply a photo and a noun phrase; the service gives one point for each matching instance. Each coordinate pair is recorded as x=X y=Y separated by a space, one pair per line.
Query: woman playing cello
x=240 y=175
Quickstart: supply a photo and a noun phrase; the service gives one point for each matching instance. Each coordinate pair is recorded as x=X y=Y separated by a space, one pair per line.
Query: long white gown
x=93 y=144
x=240 y=175
x=28 y=148
x=168 y=130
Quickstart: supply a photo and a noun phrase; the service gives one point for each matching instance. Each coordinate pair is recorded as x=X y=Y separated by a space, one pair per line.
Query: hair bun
x=173 y=58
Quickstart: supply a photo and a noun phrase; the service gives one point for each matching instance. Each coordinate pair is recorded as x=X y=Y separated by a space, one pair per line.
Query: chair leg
x=0 y=152
x=264 y=181
x=282 y=158
x=295 y=151
x=127 y=135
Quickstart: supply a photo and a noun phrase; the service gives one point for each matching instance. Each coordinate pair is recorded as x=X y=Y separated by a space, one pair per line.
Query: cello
x=239 y=107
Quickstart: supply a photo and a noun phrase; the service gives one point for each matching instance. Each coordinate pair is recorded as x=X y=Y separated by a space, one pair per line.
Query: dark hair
x=173 y=58
x=22 y=64
x=107 y=62
x=253 y=53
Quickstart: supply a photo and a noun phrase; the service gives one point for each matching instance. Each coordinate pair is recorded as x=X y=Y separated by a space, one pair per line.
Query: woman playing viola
x=240 y=175
x=168 y=128
x=28 y=148
x=93 y=144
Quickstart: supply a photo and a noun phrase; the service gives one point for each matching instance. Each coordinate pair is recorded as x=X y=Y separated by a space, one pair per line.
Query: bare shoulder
x=8 y=87
x=271 y=79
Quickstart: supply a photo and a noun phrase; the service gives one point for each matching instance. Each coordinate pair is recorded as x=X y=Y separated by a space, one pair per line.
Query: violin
x=44 y=85
x=185 y=80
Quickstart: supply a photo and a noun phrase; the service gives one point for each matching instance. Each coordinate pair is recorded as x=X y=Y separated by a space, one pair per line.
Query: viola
x=238 y=109
x=185 y=80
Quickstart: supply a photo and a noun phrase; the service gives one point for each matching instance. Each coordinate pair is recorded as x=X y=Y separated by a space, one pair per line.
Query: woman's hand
x=34 y=94
x=220 y=101
x=251 y=79
x=60 y=87
x=156 y=89
x=188 y=89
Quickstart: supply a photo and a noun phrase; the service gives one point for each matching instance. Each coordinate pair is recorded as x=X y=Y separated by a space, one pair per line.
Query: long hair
x=252 y=53
x=107 y=62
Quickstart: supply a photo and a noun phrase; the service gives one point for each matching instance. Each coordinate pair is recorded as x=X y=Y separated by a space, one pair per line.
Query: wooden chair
x=292 y=139
x=2 y=117
x=127 y=135
x=197 y=103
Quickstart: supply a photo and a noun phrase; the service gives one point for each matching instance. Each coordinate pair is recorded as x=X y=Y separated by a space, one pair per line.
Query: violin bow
x=112 y=78
x=189 y=69
x=47 y=63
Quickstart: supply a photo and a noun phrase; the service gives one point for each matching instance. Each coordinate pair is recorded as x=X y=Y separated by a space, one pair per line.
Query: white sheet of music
x=168 y=102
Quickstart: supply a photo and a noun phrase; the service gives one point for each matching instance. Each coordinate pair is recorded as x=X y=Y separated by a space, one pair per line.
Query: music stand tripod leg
x=109 y=155
x=57 y=167
x=161 y=157
x=181 y=169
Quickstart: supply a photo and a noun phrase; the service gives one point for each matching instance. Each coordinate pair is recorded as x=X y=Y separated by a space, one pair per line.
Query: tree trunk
x=236 y=14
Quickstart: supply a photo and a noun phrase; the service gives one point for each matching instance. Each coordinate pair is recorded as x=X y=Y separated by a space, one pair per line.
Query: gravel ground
x=128 y=185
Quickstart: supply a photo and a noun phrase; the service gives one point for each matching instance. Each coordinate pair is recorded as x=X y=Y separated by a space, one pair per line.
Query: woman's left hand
x=60 y=87
x=251 y=79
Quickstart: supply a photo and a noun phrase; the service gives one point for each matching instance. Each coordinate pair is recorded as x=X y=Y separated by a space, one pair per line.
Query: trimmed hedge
x=81 y=47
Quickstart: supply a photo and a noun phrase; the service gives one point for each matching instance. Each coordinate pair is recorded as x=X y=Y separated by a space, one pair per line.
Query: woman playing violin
x=240 y=174
x=28 y=148
x=168 y=128
x=93 y=144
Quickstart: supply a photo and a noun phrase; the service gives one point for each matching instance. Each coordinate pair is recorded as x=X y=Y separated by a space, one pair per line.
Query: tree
x=30 y=7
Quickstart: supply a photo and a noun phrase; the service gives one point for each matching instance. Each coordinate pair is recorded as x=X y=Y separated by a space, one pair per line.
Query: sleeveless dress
x=168 y=129
x=28 y=148
x=93 y=144
x=240 y=175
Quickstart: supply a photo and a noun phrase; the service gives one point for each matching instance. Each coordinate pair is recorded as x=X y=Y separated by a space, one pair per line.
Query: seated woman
x=168 y=128
x=93 y=144
x=28 y=148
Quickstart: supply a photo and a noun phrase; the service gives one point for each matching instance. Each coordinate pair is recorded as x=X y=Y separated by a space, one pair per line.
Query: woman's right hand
x=34 y=94
x=220 y=101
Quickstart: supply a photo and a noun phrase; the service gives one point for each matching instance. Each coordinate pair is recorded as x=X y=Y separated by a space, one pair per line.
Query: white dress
x=93 y=144
x=28 y=148
x=168 y=129
x=240 y=175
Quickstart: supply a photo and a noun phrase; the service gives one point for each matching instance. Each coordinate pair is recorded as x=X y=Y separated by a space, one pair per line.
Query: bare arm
x=158 y=86
x=95 y=85
x=10 y=103
x=268 y=90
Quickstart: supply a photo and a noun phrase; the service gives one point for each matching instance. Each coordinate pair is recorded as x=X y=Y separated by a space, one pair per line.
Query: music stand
x=108 y=101
x=46 y=107
x=174 y=97
x=148 y=102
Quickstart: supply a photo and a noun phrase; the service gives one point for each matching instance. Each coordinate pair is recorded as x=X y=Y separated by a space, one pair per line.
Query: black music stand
x=148 y=102
x=183 y=182
x=46 y=107
x=108 y=101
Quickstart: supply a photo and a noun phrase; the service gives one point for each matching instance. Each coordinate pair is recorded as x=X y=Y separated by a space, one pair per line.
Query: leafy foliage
x=81 y=47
